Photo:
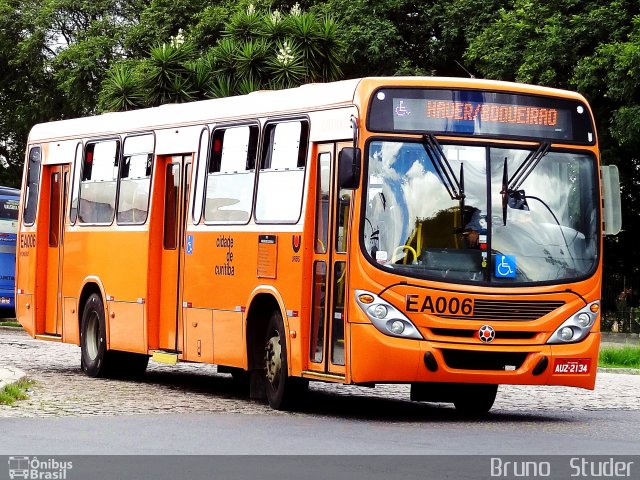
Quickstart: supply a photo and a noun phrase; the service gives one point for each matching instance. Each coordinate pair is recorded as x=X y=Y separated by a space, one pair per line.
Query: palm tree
x=122 y=89
x=256 y=50
x=169 y=79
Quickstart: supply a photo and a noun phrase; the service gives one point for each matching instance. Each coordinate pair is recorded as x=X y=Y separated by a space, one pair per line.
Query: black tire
x=475 y=400
x=283 y=392
x=93 y=338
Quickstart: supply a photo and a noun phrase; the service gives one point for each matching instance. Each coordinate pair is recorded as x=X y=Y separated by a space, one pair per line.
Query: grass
x=620 y=357
x=9 y=323
x=16 y=391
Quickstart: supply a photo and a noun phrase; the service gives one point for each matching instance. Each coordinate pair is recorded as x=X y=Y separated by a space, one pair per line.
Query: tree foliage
x=65 y=58
x=255 y=50
x=589 y=46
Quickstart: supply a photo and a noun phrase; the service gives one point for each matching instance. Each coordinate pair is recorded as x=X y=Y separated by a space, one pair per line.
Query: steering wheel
x=402 y=248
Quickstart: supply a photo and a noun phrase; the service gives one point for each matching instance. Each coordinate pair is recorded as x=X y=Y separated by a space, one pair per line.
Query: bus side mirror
x=612 y=213
x=349 y=168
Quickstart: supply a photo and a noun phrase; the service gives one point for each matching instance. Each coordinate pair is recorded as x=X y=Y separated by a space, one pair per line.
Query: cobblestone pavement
x=63 y=390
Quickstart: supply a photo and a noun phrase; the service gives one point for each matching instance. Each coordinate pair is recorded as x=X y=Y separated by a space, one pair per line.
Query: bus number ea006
x=438 y=305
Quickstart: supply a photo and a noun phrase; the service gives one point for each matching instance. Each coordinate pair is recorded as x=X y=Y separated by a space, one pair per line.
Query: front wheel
x=282 y=391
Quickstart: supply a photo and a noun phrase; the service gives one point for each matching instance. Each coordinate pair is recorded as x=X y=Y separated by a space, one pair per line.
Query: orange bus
x=440 y=232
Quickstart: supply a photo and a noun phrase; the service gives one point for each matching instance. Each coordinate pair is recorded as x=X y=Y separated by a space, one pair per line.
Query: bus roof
x=310 y=97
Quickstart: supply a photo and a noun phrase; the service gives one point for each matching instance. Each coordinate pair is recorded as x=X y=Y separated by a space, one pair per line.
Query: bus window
x=33 y=177
x=231 y=175
x=281 y=176
x=343 y=207
x=322 y=207
x=171 y=204
x=99 y=181
x=135 y=179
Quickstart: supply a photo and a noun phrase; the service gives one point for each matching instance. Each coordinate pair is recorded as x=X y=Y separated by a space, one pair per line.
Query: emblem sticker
x=486 y=333
x=505 y=266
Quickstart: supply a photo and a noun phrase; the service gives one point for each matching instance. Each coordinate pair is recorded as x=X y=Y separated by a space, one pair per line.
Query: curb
x=6 y=327
x=9 y=375
x=626 y=371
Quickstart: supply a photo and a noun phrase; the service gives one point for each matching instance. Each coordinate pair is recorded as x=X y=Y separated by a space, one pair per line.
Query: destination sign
x=480 y=113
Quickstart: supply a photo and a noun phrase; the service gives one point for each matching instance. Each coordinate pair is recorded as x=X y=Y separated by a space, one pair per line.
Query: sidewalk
x=9 y=375
x=614 y=339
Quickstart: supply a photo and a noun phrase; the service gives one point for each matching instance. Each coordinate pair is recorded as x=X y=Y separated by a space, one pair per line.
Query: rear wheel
x=282 y=391
x=93 y=338
x=475 y=400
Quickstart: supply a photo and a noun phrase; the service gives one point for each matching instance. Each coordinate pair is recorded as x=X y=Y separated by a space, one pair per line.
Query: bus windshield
x=546 y=231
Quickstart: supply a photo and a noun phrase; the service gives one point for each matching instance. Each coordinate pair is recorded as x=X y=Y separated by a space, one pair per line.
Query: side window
x=98 y=182
x=135 y=179
x=231 y=174
x=281 y=178
x=322 y=202
x=77 y=169
x=33 y=179
x=201 y=167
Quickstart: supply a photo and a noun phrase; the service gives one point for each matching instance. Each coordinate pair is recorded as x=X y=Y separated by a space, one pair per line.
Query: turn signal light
x=366 y=298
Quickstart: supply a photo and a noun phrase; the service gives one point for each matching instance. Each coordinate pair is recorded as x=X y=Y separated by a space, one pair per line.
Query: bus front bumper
x=377 y=358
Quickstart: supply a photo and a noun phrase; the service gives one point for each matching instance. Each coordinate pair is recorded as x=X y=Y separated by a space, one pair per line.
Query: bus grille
x=510 y=310
x=474 y=360
x=500 y=335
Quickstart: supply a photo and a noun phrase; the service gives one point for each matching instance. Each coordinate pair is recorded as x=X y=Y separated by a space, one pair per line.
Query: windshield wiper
x=529 y=165
x=511 y=186
x=443 y=167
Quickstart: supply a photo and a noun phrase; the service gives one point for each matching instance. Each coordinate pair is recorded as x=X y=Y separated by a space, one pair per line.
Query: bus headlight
x=583 y=319
x=576 y=327
x=385 y=317
x=396 y=327
x=566 y=333
x=379 y=311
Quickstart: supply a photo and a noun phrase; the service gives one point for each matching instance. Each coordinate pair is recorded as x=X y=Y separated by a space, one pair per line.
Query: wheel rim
x=273 y=360
x=93 y=335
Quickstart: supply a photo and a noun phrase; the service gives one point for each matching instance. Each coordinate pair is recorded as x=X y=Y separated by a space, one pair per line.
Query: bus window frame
x=117 y=138
x=198 y=169
x=78 y=161
x=488 y=143
x=224 y=126
x=305 y=137
x=119 y=179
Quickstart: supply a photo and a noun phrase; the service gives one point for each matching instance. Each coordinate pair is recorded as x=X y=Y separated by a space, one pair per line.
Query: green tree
x=593 y=47
x=256 y=49
x=390 y=37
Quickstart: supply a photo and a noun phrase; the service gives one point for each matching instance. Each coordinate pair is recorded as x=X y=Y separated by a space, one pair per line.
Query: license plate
x=572 y=366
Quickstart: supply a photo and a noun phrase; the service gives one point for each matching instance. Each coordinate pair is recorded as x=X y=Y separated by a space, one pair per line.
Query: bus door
x=330 y=265
x=177 y=175
x=58 y=179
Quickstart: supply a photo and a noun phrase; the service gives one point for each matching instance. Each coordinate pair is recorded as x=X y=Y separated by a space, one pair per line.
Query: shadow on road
x=344 y=404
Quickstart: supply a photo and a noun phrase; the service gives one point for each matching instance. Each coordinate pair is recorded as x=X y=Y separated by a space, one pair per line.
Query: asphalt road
x=340 y=427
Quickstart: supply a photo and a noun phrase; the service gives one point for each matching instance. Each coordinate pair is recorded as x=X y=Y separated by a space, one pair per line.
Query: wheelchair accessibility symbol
x=505 y=266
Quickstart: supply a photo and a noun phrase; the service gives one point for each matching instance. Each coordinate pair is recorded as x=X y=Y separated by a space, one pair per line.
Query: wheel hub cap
x=273 y=361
